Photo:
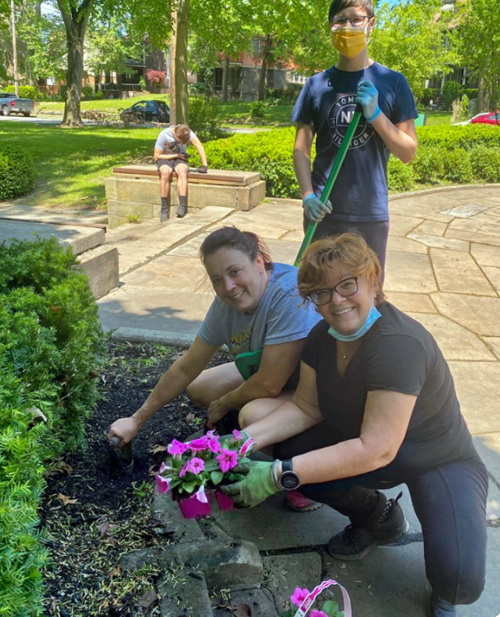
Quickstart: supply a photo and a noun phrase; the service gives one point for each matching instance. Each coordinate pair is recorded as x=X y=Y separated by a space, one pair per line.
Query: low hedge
x=50 y=344
x=25 y=92
x=446 y=154
x=17 y=172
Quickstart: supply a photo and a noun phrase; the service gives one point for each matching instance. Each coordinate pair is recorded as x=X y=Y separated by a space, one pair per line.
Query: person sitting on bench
x=171 y=154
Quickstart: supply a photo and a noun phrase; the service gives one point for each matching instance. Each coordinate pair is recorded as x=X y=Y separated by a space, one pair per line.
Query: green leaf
x=331 y=608
x=216 y=477
x=189 y=487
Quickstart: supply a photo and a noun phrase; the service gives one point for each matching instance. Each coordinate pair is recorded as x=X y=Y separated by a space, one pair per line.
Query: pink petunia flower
x=162 y=468
x=177 y=448
x=163 y=484
x=214 y=445
x=195 y=465
x=299 y=595
x=237 y=435
x=198 y=445
x=316 y=613
x=200 y=494
x=227 y=459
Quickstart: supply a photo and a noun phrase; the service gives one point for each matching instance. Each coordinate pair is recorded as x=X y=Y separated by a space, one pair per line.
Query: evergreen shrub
x=485 y=163
x=25 y=92
x=17 y=172
x=457 y=167
x=400 y=177
x=50 y=345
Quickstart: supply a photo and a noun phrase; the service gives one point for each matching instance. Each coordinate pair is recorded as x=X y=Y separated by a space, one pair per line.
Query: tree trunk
x=178 y=70
x=481 y=95
x=75 y=22
x=225 y=79
x=261 y=92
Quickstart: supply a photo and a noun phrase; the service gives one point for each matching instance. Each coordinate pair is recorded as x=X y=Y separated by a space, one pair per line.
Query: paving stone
x=458 y=273
x=158 y=309
x=402 y=225
x=190 y=248
x=439 y=242
x=465 y=211
x=185 y=594
x=167 y=513
x=259 y=601
x=492 y=227
x=407 y=302
x=245 y=221
x=272 y=526
x=479 y=237
x=485 y=255
x=456 y=342
x=172 y=273
x=493 y=275
x=405 y=245
x=431 y=228
x=478 y=384
x=223 y=565
x=286 y=572
x=478 y=314
x=470 y=225
x=296 y=235
x=283 y=251
x=389 y=582
x=418 y=207
x=408 y=272
x=494 y=343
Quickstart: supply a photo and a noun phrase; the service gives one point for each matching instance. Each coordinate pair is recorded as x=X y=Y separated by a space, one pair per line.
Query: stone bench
x=134 y=191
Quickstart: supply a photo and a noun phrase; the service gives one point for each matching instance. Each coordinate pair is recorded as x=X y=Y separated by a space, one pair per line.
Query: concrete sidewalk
x=443 y=268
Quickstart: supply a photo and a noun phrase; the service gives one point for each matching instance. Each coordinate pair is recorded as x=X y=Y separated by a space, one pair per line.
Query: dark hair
x=244 y=241
x=339 y=5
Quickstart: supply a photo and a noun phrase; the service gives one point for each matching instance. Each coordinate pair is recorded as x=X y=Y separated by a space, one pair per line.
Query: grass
x=110 y=105
x=438 y=117
x=72 y=164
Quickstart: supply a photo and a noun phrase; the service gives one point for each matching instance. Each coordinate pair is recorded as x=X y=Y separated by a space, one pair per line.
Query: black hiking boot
x=356 y=541
x=164 y=214
x=438 y=607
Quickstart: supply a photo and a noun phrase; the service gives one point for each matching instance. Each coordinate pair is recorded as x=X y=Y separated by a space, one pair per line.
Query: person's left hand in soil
x=259 y=483
x=217 y=410
x=367 y=97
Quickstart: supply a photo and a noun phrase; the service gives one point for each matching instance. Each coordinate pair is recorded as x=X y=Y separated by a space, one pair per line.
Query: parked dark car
x=487 y=118
x=147 y=111
x=10 y=104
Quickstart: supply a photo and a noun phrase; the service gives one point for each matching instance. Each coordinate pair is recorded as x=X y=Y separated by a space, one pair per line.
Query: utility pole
x=14 y=45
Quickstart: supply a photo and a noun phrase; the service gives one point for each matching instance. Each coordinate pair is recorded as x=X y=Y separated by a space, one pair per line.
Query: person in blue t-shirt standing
x=324 y=108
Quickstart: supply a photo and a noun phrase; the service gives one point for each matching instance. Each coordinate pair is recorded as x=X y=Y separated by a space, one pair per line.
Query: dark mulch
x=92 y=513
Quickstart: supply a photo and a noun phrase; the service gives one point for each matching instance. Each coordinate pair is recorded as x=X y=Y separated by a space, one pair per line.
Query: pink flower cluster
x=298 y=597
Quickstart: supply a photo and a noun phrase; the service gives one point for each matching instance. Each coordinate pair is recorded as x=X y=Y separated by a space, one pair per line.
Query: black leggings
x=375 y=234
x=450 y=503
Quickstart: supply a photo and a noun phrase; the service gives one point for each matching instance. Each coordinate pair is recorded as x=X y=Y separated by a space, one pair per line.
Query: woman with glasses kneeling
x=376 y=407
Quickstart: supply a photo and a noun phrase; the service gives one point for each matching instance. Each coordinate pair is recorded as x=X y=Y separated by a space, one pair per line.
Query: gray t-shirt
x=281 y=317
x=167 y=143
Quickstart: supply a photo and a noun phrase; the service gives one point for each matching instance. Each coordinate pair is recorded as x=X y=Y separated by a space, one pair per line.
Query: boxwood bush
x=25 y=92
x=50 y=345
x=17 y=173
x=446 y=154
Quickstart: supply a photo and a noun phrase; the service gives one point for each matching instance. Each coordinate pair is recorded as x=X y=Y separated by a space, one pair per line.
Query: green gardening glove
x=257 y=486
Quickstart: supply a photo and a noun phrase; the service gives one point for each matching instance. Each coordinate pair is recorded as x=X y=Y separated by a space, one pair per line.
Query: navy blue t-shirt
x=326 y=102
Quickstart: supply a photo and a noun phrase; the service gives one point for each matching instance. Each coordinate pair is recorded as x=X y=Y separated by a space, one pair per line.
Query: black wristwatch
x=289 y=479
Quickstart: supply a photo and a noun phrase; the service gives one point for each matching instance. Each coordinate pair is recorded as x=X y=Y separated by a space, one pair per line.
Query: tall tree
x=479 y=36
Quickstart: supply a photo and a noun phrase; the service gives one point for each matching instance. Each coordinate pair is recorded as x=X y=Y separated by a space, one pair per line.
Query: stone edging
x=441 y=189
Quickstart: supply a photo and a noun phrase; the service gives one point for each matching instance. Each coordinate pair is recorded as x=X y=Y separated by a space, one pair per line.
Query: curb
x=138 y=335
x=442 y=189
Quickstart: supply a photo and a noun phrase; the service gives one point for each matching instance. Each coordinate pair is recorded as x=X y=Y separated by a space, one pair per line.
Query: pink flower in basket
x=299 y=595
x=198 y=445
x=227 y=459
x=163 y=484
x=315 y=613
x=192 y=507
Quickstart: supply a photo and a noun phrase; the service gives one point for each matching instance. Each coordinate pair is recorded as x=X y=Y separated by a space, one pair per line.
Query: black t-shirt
x=398 y=354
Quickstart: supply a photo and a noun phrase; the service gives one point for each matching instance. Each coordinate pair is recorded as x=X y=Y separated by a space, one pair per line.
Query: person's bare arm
x=158 y=155
x=201 y=150
x=401 y=139
x=277 y=365
x=304 y=138
x=385 y=423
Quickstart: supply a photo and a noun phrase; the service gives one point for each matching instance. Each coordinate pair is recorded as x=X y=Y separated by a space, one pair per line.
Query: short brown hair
x=349 y=250
x=339 y=5
x=182 y=132
x=244 y=241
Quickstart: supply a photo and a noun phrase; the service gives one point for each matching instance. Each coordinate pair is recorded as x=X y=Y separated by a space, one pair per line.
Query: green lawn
x=71 y=164
x=438 y=117
x=111 y=105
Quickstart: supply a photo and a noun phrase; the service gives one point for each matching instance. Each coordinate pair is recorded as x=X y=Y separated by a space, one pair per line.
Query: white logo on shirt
x=339 y=117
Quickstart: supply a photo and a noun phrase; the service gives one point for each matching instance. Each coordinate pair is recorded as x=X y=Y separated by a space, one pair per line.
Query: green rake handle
x=337 y=164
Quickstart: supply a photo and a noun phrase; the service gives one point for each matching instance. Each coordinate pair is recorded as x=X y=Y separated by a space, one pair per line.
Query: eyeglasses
x=347 y=287
x=356 y=22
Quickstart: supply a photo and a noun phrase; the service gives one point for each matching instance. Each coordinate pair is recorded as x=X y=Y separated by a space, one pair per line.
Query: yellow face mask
x=349 y=42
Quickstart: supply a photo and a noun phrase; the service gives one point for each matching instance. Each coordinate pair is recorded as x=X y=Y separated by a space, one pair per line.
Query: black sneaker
x=355 y=541
x=182 y=211
x=438 y=607
x=164 y=214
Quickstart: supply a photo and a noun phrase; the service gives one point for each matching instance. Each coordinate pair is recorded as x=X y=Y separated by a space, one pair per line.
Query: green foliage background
x=17 y=174
x=50 y=344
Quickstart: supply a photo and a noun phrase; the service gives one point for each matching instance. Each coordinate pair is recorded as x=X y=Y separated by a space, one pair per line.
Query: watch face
x=289 y=480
